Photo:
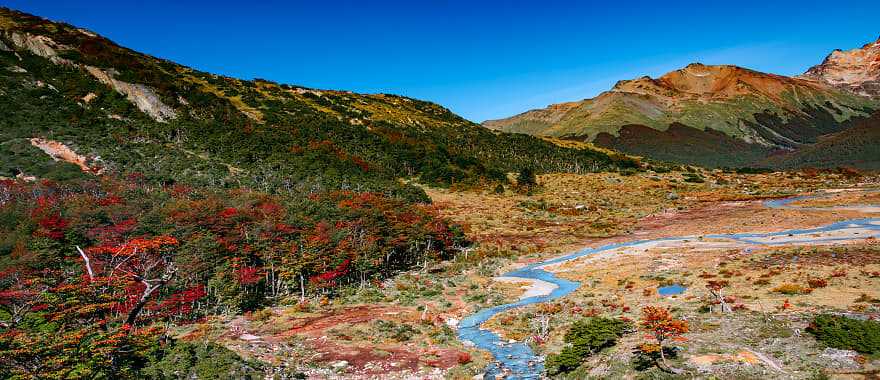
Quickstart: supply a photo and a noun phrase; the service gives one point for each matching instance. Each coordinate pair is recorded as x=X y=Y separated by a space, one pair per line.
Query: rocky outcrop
x=40 y=45
x=856 y=70
x=143 y=97
x=61 y=152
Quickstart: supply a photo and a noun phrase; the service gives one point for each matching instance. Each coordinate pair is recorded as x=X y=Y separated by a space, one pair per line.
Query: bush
x=847 y=333
x=202 y=361
x=526 y=178
x=586 y=336
x=693 y=178
x=791 y=289
x=817 y=283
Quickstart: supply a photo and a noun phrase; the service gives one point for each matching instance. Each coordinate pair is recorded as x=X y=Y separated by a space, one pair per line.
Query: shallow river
x=516 y=360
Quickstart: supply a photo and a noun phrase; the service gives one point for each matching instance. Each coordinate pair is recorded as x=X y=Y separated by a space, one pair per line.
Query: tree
x=18 y=296
x=658 y=321
x=144 y=264
x=716 y=289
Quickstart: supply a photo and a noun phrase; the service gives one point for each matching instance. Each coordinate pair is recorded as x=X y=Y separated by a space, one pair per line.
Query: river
x=516 y=360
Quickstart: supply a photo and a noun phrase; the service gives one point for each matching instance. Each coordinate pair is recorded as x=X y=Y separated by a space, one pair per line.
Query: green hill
x=132 y=113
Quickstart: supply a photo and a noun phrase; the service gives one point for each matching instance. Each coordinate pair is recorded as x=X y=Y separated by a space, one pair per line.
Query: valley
x=431 y=306
x=162 y=222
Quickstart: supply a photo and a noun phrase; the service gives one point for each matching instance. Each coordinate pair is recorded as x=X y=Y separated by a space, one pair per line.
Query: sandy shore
x=532 y=287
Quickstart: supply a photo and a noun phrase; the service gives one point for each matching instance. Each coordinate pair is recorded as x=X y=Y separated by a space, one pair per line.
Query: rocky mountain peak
x=856 y=70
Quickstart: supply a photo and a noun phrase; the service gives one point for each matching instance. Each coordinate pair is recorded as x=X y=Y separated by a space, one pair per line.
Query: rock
x=339 y=366
x=16 y=69
x=141 y=96
x=40 y=45
x=841 y=358
x=854 y=70
x=89 y=97
x=452 y=322
x=3 y=47
x=479 y=376
x=672 y=196
x=248 y=337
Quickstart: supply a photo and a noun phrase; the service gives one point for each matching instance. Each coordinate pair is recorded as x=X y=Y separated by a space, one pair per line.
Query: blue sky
x=483 y=60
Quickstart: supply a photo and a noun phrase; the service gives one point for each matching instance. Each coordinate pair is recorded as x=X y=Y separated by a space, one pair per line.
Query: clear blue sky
x=481 y=59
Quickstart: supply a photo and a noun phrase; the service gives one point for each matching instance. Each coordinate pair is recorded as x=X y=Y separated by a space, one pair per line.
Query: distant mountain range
x=720 y=115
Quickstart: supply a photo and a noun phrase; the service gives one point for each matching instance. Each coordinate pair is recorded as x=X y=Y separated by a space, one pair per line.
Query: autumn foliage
x=662 y=327
x=91 y=273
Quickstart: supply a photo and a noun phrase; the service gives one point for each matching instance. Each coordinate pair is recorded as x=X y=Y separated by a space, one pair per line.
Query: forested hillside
x=134 y=113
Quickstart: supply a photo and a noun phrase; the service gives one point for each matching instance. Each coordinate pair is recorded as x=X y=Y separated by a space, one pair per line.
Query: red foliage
x=135 y=245
x=228 y=213
x=340 y=270
x=248 y=275
x=464 y=358
x=661 y=324
x=52 y=226
x=180 y=303
x=111 y=200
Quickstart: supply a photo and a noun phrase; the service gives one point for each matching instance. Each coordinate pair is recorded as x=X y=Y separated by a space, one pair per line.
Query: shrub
x=847 y=333
x=586 y=336
x=790 y=289
x=526 y=178
x=693 y=178
x=202 y=361
x=817 y=282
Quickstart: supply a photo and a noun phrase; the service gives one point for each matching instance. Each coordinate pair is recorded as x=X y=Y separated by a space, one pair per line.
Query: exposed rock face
x=141 y=96
x=856 y=70
x=60 y=152
x=40 y=45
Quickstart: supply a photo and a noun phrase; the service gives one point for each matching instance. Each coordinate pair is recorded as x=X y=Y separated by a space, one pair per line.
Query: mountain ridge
x=766 y=112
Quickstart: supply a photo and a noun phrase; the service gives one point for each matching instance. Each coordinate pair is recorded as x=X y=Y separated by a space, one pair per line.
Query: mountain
x=856 y=70
x=687 y=114
x=121 y=111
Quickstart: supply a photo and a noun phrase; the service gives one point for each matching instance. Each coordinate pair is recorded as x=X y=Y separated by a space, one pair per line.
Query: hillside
x=128 y=112
x=762 y=112
x=858 y=146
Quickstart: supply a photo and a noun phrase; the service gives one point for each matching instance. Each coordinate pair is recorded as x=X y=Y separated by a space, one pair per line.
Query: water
x=670 y=290
x=518 y=361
